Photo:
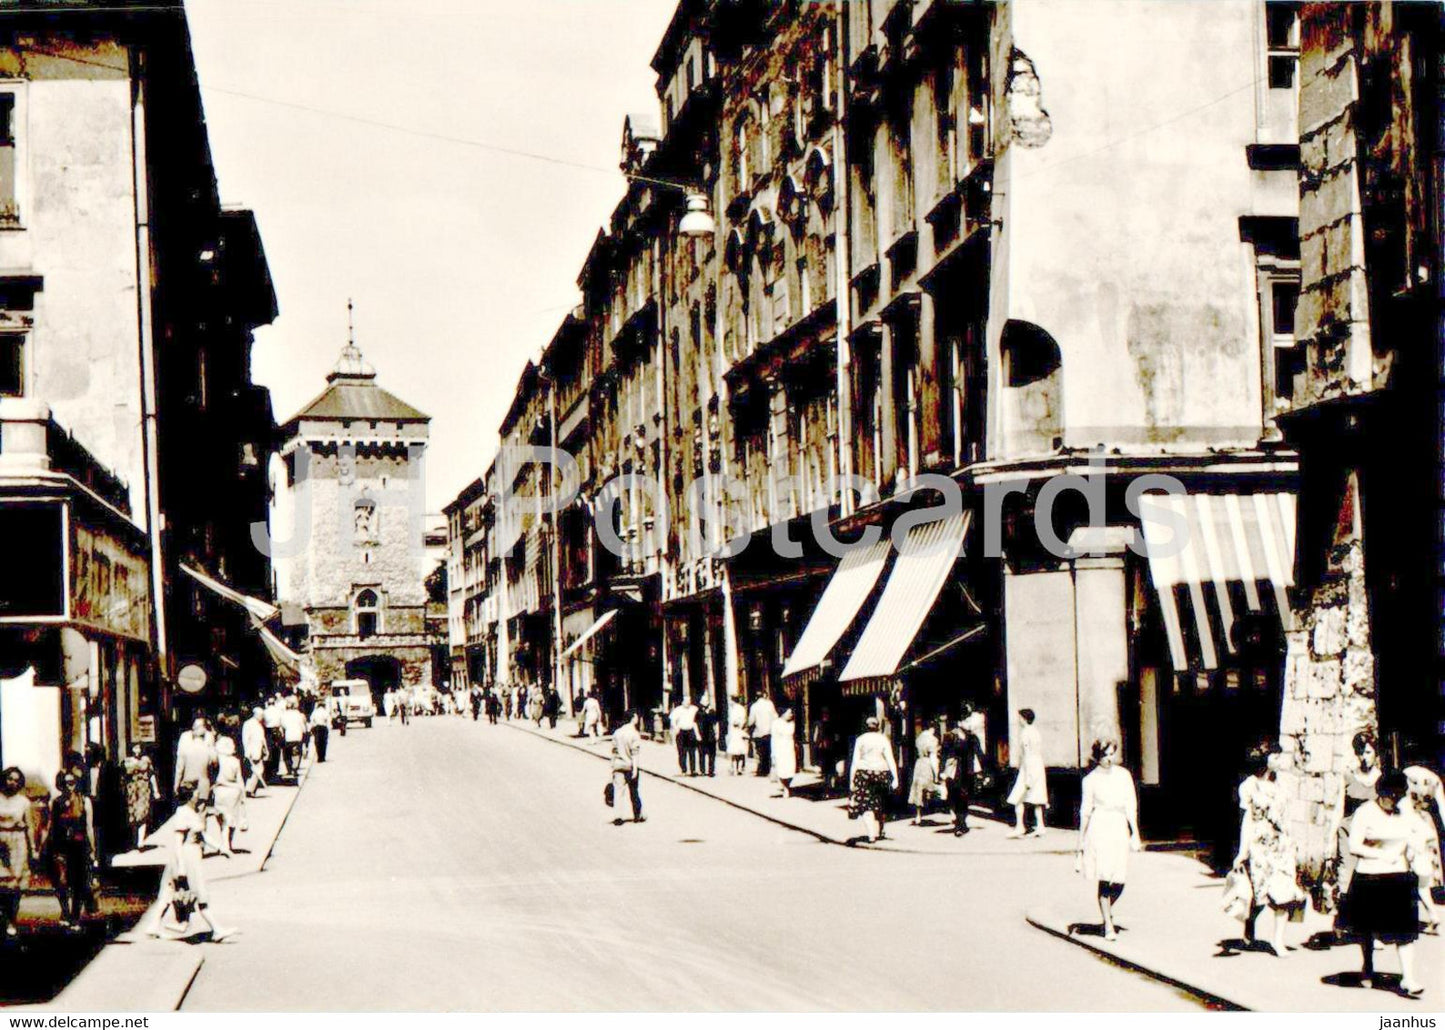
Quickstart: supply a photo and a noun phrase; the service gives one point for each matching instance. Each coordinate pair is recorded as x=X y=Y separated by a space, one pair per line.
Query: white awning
x=277 y=647
x=1236 y=553
x=260 y=609
x=845 y=593
x=925 y=562
x=587 y=634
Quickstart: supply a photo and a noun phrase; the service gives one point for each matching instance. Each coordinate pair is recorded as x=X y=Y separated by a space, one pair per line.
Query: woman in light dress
x=1031 y=788
x=184 y=876
x=227 y=795
x=18 y=848
x=1108 y=828
x=925 y=772
x=785 y=750
x=874 y=776
x=737 y=741
x=1267 y=855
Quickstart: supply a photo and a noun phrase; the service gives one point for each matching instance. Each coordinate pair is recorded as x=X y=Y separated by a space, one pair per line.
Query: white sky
x=462 y=261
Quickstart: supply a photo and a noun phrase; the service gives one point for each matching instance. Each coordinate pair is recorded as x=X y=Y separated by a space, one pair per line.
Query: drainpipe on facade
x=662 y=519
x=719 y=494
x=843 y=266
x=140 y=186
x=566 y=696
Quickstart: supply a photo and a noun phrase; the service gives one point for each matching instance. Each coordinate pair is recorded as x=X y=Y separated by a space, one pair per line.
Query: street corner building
x=1058 y=254
x=351 y=506
x=133 y=443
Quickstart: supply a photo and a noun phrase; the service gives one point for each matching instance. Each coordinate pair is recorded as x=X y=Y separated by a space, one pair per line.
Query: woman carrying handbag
x=184 y=903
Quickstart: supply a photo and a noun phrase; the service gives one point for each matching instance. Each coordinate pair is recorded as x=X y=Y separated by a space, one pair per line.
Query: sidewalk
x=138 y=973
x=823 y=818
x=1171 y=923
x=1172 y=927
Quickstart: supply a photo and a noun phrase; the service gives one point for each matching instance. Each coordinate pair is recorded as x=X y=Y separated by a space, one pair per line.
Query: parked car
x=351 y=700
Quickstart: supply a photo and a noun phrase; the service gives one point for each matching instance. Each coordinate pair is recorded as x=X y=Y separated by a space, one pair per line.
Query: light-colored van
x=352 y=700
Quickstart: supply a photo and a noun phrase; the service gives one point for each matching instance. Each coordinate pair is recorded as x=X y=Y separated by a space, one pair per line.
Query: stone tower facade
x=353 y=501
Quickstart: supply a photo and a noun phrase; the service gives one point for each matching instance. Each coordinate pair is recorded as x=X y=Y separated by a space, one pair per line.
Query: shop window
x=12 y=364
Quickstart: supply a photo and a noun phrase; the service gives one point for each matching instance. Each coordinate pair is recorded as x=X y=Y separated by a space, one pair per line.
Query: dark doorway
x=382 y=672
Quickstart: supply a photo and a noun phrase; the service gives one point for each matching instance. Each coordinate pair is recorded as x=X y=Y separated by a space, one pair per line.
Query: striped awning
x=925 y=562
x=1216 y=556
x=587 y=634
x=262 y=610
x=845 y=593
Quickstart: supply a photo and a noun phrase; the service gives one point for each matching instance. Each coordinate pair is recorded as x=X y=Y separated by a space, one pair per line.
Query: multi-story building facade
x=353 y=509
x=131 y=437
x=1005 y=253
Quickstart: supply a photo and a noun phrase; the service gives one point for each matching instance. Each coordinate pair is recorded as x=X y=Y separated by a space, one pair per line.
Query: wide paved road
x=454 y=865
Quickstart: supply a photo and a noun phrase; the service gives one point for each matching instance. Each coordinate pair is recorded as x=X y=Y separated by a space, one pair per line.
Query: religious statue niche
x=364 y=516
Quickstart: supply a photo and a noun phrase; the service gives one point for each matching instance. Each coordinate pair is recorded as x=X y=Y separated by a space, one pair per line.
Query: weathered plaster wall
x=1119 y=184
x=77 y=230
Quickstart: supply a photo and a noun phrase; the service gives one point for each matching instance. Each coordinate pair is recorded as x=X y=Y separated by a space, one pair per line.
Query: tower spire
x=351 y=365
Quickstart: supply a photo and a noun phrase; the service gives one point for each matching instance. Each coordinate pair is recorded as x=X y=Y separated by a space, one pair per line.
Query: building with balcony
x=131 y=437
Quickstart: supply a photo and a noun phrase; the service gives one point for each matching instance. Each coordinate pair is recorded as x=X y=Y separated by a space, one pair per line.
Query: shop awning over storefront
x=590 y=632
x=1236 y=552
x=850 y=586
x=924 y=564
x=257 y=607
x=277 y=648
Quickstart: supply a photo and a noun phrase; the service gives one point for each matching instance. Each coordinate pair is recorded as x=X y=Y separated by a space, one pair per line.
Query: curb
x=842 y=842
x=1114 y=955
x=165 y=988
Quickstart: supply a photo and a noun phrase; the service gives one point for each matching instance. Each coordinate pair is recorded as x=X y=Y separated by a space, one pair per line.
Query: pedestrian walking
x=195 y=760
x=494 y=706
x=551 y=707
x=925 y=784
x=706 y=739
x=71 y=851
x=1388 y=842
x=592 y=715
x=737 y=739
x=1031 y=786
x=388 y=704
x=275 y=739
x=1108 y=829
x=138 y=777
x=1427 y=798
x=626 y=747
x=962 y=758
x=1267 y=856
x=227 y=802
x=320 y=732
x=255 y=750
x=785 y=750
x=293 y=731
x=474 y=696
x=760 y=728
x=825 y=751
x=1357 y=787
x=18 y=851
x=874 y=778
x=683 y=722
x=184 y=905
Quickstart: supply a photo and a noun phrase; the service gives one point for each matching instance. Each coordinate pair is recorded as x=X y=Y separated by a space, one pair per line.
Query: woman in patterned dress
x=874 y=773
x=17 y=845
x=138 y=774
x=1427 y=797
x=1267 y=855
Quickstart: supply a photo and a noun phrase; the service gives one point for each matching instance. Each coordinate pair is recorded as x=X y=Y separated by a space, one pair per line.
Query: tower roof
x=352 y=394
